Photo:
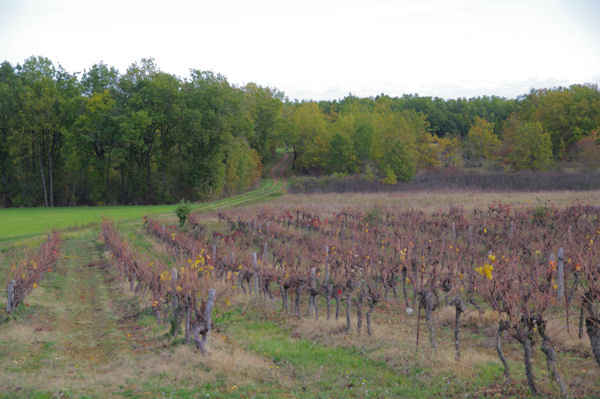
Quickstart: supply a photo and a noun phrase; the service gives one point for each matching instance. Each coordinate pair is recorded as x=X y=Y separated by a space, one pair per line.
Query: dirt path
x=278 y=170
x=87 y=327
x=277 y=185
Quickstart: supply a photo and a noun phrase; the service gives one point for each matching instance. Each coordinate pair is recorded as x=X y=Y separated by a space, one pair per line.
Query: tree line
x=147 y=136
x=144 y=136
x=395 y=136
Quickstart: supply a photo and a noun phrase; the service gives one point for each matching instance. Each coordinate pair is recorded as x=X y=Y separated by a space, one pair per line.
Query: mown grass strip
x=331 y=372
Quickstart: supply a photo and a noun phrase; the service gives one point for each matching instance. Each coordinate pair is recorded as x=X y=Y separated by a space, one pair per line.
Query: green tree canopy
x=481 y=142
x=527 y=145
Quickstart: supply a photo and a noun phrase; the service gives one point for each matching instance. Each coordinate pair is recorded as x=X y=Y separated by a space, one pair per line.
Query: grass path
x=334 y=371
x=275 y=186
x=87 y=325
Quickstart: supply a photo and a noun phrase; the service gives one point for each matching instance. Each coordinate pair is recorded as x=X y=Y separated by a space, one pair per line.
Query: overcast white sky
x=322 y=49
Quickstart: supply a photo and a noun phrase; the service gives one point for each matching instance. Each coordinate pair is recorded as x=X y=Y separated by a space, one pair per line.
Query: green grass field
x=24 y=222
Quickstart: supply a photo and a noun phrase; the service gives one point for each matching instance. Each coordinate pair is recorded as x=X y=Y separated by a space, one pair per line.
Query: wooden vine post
x=348 y=306
x=470 y=235
x=176 y=323
x=459 y=307
x=10 y=291
x=561 y=275
x=203 y=323
x=327 y=284
x=428 y=304
x=188 y=321
x=255 y=273
x=265 y=253
x=312 y=304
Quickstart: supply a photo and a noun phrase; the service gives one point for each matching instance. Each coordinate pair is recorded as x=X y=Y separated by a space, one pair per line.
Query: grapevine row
x=26 y=274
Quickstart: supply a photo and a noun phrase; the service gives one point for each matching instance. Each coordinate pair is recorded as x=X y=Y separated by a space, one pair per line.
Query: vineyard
x=405 y=289
x=532 y=269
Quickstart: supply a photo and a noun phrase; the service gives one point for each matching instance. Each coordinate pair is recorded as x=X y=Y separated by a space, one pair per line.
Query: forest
x=102 y=137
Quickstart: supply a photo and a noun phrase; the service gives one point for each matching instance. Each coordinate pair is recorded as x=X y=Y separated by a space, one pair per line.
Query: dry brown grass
x=181 y=366
x=428 y=201
x=394 y=342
